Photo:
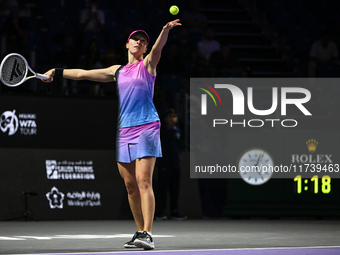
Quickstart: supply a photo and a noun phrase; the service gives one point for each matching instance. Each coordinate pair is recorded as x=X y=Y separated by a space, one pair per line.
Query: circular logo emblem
x=9 y=122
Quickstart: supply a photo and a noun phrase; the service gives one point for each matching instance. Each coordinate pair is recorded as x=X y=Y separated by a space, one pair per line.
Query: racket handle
x=43 y=77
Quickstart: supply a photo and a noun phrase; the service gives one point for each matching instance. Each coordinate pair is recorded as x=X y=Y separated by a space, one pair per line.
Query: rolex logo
x=311 y=145
x=311 y=158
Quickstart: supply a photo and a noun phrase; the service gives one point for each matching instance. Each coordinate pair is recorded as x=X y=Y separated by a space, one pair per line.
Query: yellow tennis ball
x=174 y=10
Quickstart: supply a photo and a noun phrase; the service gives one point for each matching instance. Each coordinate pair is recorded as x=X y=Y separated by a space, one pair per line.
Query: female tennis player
x=138 y=135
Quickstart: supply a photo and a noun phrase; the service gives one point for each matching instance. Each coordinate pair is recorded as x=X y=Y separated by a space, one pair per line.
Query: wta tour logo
x=238 y=107
x=9 y=122
x=24 y=122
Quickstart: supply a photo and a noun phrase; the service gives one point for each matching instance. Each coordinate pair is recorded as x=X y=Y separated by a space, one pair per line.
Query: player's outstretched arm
x=155 y=54
x=99 y=75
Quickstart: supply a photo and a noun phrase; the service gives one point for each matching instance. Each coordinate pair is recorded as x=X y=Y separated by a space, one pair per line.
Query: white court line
x=6 y=238
x=170 y=251
x=78 y=237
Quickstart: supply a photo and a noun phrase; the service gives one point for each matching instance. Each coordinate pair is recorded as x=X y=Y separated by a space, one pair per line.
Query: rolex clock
x=255 y=166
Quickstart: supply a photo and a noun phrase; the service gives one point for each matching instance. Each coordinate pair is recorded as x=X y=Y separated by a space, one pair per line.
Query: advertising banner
x=61 y=184
x=58 y=159
x=42 y=122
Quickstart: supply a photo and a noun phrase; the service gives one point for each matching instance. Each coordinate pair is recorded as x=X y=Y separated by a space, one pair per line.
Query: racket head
x=13 y=70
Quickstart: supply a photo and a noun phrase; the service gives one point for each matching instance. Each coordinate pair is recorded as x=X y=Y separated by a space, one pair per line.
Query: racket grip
x=41 y=76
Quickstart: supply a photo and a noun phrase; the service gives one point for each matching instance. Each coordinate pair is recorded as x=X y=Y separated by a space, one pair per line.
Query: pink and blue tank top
x=135 y=89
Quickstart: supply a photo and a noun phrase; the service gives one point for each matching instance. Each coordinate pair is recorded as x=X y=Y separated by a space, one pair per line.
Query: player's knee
x=131 y=187
x=144 y=184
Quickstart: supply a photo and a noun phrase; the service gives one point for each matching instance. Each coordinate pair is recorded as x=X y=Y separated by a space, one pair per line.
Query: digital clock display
x=314 y=184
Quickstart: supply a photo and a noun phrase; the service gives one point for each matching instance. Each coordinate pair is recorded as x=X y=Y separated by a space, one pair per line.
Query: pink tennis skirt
x=138 y=142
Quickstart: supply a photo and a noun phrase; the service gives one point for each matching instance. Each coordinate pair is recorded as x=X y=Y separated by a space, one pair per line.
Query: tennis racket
x=14 y=70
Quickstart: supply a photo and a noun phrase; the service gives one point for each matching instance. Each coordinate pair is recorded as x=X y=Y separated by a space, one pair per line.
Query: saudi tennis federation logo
x=9 y=122
x=204 y=97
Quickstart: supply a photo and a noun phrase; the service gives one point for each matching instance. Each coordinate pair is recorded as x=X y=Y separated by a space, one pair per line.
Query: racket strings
x=13 y=70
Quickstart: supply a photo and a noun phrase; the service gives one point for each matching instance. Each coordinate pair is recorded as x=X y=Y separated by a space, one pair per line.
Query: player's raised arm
x=99 y=75
x=155 y=54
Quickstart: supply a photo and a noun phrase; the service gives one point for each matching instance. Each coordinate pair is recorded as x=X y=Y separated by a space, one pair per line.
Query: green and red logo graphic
x=204 y=98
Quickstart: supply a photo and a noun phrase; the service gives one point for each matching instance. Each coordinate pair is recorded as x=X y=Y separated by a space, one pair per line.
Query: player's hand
x=49 y=74
x=172 y=24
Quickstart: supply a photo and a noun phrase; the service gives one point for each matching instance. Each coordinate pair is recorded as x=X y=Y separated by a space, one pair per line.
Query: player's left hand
x=172 y=24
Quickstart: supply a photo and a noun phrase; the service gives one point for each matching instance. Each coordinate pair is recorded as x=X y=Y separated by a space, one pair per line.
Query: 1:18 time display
x=303 y=184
